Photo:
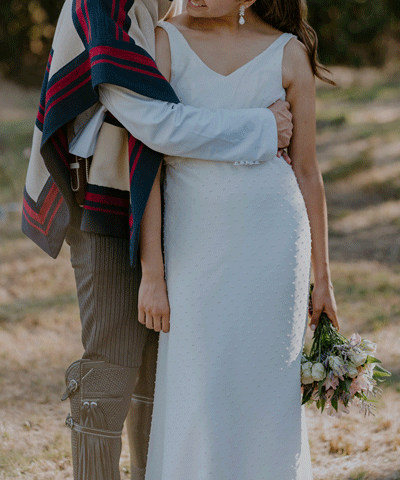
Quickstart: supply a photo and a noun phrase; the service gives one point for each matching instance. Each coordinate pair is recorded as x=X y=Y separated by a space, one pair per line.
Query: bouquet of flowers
x=339 y=372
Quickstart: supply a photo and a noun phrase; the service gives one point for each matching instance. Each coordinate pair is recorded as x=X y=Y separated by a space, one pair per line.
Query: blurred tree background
x=351 y=32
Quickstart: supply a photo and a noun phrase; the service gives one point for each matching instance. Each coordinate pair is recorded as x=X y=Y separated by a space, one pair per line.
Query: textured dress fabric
x=237 y=246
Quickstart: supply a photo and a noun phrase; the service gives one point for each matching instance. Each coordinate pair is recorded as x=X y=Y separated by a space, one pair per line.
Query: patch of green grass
x=331 y=122
x=15 y=139
x=57 y=449
x=347 y=169
x=359 y=475
x=387 y=89
x=18 y=310
x=13 y=462
x=386 y=190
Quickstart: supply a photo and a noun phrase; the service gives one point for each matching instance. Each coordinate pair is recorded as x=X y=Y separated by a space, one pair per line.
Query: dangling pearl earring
x=241 y=14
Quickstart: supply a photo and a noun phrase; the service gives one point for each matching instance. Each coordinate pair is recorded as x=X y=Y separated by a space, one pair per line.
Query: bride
x=231 y=299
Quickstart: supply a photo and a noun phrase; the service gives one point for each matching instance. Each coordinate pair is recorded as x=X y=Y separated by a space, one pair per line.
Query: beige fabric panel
x=67 y=31
x=37 y=174
x=145 y=15
x=111 y=149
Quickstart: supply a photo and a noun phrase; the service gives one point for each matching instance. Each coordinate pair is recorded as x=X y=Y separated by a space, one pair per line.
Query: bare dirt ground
x=358 y=150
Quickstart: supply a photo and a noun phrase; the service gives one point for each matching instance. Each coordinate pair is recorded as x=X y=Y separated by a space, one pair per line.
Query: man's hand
x=284 y=124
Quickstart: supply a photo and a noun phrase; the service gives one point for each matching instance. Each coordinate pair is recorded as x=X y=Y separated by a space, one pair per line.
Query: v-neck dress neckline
x=275 y=43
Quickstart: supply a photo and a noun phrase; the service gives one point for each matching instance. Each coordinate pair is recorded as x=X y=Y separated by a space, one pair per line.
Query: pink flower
x=315 y=395
x=354 y=387
x=329 y=394
x=359 y=384
x=331 y=381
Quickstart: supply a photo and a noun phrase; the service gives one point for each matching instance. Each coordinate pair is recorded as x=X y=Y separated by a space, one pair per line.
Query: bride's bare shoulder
x=296 y=66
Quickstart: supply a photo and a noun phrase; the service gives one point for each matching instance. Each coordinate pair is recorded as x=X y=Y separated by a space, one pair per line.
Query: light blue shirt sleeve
x=241 y=136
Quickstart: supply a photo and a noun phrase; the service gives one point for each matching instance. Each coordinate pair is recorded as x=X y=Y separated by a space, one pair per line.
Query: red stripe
x=60 y=152
x=131 y=143
x=88 y=18
x=41 y=216
x=81 y=19
x=67 y=80
x=121 y=20
x=45 y=232
x=40 y=117
x=104 y=210
x=125 y=36
x=123 y=54
x=130 y=221
x=136 y=161
x=67 y=93
x=121 y=13
x=96 y=197
x=129 y=68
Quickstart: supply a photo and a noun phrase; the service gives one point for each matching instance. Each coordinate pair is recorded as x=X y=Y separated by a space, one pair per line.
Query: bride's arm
x=299 y=82
x=153 y=302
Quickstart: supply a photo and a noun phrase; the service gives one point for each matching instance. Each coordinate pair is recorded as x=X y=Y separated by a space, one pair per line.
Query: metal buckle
x=69 y=421
x=73 y=386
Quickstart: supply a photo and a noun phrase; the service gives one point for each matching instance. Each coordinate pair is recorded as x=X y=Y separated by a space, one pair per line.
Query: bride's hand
x=323 y=299
x=153 y=303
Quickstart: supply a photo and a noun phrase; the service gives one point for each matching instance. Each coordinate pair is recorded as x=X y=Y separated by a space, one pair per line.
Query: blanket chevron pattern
x=93 y=44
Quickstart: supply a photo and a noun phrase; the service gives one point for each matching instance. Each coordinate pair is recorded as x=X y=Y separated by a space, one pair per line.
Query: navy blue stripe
x=128 y=21
x=105 y=223
x=128 y=63
x=107 y=206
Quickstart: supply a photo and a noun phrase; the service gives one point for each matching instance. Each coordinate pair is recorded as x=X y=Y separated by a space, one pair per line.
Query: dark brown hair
x=291 y=16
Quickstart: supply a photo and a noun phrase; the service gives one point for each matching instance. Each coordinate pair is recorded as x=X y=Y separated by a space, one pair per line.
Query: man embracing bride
x=238 y=224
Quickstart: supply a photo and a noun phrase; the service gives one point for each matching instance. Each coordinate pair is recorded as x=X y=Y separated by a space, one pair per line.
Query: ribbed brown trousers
x=107 y=289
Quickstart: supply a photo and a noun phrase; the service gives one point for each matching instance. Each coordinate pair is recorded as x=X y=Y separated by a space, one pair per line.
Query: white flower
x=337 y=365
x=352 y=371
x=306 y=375
x=368 y=346
x=358 y=359
x=355 y=340
x=318 y=372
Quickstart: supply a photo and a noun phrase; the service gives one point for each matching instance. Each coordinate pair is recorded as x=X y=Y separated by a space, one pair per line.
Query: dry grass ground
x=358 y=149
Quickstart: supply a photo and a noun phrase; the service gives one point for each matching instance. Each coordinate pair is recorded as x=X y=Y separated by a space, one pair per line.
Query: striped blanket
x=96 y=41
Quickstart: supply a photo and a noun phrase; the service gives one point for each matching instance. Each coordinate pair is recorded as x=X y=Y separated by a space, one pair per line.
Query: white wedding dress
x=237 y=243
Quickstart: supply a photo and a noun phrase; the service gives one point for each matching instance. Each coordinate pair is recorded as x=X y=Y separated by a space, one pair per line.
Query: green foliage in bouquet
x=338 y=372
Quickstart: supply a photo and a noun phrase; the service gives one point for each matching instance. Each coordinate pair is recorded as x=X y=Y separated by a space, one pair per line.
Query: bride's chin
x=193 y=7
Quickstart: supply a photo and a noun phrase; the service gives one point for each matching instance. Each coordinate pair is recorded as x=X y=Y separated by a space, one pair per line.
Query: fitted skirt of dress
x=227 y=400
